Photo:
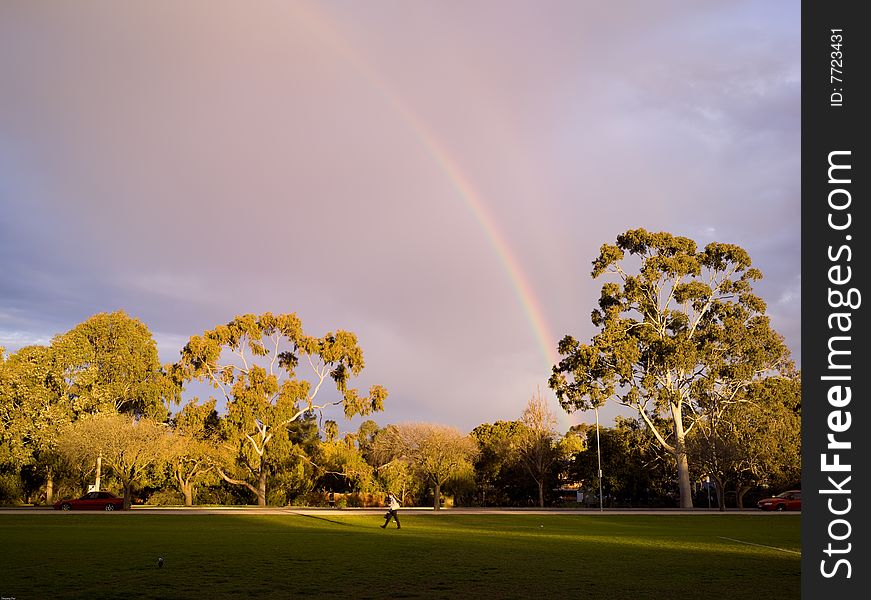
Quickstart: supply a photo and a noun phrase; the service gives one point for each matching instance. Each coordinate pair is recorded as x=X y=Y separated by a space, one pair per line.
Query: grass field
x=343 y=554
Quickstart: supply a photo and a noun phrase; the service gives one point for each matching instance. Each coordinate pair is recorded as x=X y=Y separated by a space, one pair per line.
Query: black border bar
x=835 y=231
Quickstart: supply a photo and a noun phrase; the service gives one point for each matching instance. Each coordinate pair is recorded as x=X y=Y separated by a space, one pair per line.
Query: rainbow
x=530 y=304
x=519 y=281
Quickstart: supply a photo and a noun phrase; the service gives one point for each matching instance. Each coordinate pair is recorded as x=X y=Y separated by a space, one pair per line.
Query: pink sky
x=435 y=176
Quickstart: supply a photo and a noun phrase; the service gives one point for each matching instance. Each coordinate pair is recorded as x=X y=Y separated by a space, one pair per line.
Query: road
x=223 y=510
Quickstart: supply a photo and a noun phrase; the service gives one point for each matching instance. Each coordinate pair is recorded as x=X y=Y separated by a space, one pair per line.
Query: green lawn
x=342 y=554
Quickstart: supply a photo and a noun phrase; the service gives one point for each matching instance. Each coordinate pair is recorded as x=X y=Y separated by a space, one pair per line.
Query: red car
x=92 y=501
x=790 y=500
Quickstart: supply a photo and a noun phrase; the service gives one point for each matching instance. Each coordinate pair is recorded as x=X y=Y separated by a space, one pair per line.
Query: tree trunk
x=49 y=487
x=437 y=496
x=742 y=490
x=680 y=455
x=128 y=494
x=720 y=488
x=185 y=485
x=541 y=493
x=261 y=488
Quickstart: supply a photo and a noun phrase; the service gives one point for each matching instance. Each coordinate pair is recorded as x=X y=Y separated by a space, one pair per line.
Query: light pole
x=599 y=456
x=708 y=485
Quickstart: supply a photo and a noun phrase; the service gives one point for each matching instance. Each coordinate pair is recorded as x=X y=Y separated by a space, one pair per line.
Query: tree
x=753 y=438
x=292 y=467
x=366 y=433
x=253 y=361
x=437 y=453
x=107 y=363
x=129 y=446
x=399 y=478
x=686 y=322
x=634 y=469
x=499 y=475
x=110 y=362
x=195 y=452
x=33 y=409
x=505 y=448
x=343 y=466
x=537 y=448
x=331 y=430
x=773 y=434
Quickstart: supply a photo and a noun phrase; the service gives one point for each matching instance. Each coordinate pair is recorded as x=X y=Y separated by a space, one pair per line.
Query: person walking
x=392 y=507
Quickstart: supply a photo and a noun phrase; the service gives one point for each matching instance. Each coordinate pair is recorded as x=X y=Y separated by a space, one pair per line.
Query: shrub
x=165 y=497
x=11 y=488
x=312 y=498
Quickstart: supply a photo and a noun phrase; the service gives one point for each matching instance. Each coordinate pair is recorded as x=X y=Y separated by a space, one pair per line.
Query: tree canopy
x=110 y=362
x=129 y=446
x=677 y=325
x=753 y=438
x=437 y=453
x=681 y=338
x=536 y=446
x=254 y=360
x=195 y=453
x=633 y=470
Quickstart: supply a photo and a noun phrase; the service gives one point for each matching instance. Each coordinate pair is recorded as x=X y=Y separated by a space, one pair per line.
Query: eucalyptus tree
x=254 y=360
x=754 y=439
x=677 y=324
x=771 y=434
x=436 y=453
x=294 y=459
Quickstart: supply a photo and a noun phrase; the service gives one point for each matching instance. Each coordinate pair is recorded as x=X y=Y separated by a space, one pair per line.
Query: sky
x=434 y=176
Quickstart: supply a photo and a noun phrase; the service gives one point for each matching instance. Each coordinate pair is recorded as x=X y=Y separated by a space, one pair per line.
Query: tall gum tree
x=676 y=324
x=253 y=361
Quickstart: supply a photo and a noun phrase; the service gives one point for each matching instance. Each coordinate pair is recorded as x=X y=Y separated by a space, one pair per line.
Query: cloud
x=792 y=293
x=15 y=340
